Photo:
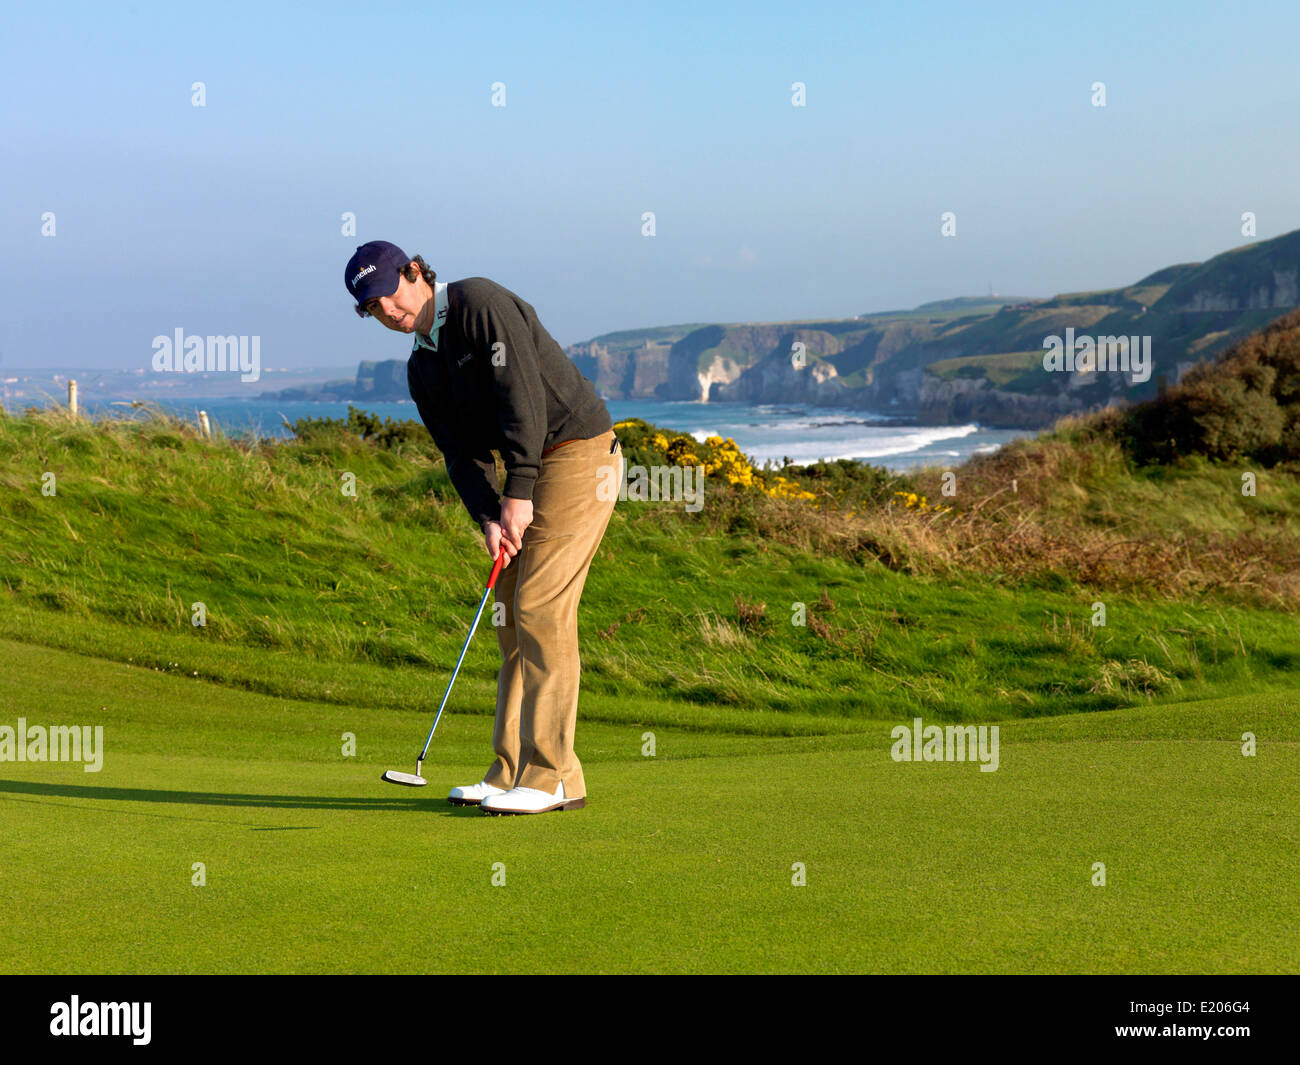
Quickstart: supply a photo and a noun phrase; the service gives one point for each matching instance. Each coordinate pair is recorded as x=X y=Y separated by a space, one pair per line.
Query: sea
x=766 y=432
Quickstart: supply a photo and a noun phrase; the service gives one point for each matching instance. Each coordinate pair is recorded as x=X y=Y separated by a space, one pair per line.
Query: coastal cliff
x=946 y=361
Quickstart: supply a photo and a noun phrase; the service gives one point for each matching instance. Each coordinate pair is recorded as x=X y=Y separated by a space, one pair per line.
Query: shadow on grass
x=213 y=798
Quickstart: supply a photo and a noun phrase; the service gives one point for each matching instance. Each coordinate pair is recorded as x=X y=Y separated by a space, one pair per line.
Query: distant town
x=27 y=387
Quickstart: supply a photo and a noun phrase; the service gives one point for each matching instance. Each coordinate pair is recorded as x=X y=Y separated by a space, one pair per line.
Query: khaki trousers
x=537 y=688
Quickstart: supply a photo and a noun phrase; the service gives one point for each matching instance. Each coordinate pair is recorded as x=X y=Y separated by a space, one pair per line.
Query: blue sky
x=226 y=219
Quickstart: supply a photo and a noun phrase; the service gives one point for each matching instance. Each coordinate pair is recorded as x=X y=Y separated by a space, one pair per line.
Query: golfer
x=485 y=375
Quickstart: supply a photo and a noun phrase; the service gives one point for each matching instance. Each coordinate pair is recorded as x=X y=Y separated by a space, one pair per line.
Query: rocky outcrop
x=697 y=361
x=1260 y=276
x=815 y=381
x=959 y=400
x=1281 y=290
x=626 y=371
x=384 y=381
x=906 y=387
x=956 y=399
x=757 y=364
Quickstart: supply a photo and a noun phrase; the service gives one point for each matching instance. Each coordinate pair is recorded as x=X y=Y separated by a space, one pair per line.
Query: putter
x=415 y=780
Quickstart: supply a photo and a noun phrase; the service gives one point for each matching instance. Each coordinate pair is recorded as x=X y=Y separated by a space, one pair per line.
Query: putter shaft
x=492 y=580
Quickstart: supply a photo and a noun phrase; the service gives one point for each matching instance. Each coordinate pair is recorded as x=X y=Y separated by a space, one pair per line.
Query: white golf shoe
x=472 y=794
x=530 y=801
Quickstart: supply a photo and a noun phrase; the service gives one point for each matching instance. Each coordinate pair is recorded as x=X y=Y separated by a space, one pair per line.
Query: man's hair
x=408 y=272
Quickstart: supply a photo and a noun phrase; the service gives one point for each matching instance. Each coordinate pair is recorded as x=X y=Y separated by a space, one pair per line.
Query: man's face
x=398 y=311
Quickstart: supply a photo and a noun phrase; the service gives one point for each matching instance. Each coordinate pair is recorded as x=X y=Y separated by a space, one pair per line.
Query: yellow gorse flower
x=912 y=501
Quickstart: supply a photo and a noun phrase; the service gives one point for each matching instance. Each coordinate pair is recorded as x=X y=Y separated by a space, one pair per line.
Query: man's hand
x=508 y=534
x=495 y=540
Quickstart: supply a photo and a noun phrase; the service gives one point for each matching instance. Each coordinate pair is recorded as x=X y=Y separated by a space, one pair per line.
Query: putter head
x=411 y=780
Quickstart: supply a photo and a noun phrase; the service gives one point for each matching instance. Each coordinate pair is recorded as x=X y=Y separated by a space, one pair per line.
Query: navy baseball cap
x=374 y=270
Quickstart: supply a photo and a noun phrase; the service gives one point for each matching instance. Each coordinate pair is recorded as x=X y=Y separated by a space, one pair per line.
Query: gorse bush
x=843 y=483
x=389 y=433
x=1244 y=406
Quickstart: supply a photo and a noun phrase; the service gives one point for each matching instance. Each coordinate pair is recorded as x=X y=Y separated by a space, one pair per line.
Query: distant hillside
x=1190 y=312
x=1244 y=407
x=946 y=362
x=686 y=362
x=962 y=305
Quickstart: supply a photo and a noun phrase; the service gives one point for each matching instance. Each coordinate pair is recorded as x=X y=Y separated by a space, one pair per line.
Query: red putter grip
x=496 y=569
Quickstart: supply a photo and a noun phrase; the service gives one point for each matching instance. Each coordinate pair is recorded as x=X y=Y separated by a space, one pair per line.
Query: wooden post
x=204 y=425
x=72 y=397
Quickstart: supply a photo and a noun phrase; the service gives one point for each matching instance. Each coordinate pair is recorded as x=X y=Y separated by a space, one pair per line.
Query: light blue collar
x=439 y=316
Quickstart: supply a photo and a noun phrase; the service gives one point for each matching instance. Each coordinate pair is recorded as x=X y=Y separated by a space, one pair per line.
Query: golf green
x=231 y=832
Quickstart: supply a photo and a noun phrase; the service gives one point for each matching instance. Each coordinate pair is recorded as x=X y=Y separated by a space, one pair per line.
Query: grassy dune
x=982 y=613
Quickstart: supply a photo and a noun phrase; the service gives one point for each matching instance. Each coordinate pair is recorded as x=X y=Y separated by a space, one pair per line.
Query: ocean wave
x=878 y=445
x=828 y=421
x=916 y=440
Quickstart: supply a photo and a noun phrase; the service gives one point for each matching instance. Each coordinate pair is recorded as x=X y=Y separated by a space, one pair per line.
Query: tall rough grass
x=904 y=605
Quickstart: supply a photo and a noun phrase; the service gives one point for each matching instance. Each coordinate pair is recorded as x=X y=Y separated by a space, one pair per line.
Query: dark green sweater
x=518 y=398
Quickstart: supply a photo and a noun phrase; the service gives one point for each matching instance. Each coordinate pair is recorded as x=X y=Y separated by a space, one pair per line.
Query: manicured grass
x=680 y=863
